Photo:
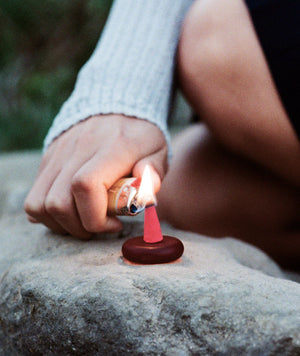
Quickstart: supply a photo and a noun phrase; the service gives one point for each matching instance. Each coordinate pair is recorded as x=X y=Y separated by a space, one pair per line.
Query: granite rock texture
x=60 y=296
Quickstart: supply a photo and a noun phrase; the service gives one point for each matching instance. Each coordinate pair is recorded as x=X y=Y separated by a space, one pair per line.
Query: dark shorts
x=277 y=24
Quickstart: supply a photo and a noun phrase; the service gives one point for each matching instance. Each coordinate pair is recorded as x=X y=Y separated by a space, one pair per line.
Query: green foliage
x=43 y=44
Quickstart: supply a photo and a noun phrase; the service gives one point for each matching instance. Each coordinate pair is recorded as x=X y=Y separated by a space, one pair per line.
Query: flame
x=146 y=194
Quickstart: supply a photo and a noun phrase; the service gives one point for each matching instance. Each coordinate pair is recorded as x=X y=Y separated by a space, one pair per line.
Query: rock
x=60 y=296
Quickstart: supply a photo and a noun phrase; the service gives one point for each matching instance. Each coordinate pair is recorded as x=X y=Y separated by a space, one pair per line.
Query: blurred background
x=43 y=44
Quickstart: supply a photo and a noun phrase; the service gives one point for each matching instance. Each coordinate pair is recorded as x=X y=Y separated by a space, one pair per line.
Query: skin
x=213 y=191
x=237 y=173
x=69 y=194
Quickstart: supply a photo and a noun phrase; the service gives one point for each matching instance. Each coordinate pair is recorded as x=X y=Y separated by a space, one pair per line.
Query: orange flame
x=146 y=194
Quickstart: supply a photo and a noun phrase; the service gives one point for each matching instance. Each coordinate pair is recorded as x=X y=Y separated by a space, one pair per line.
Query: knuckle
x=33 y=208
x=82 y=183
x=55 y=206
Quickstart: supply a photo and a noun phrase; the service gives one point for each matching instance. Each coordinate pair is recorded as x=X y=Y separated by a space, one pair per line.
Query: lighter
x=122 y=198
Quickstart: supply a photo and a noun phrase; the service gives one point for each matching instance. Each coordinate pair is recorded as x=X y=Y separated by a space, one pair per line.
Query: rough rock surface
x=60 y=296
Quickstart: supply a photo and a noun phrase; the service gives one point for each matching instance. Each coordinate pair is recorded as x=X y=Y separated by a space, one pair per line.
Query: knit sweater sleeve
x=131 y=69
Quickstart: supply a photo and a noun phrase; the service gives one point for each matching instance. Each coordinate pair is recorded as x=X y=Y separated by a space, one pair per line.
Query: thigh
x=211 y=191
x=226 y=77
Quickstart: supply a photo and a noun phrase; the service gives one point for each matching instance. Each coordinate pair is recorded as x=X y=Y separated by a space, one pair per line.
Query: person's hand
x=69 y=194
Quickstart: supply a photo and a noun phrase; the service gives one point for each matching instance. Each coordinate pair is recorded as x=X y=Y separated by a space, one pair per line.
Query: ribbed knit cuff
x=131 y=69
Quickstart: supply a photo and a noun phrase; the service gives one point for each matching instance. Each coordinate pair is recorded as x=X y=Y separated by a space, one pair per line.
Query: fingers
x=37 y=214
x=89 y=188
x=32 y=220
x=50 y=201
x=34 y=203
x=74 y=200
x=91 y=200
x=91 y=182
x=60 y=204
x=49 y=169
x=70 y=192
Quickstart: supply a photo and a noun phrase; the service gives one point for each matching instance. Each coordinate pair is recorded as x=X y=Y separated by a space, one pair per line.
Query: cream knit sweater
x=131 y=69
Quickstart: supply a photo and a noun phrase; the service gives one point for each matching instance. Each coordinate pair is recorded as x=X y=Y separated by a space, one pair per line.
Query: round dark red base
x=138 y=251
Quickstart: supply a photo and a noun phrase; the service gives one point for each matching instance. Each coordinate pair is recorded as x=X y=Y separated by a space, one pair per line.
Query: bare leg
x=212 y=191
x=242 y=177
x=224 y=75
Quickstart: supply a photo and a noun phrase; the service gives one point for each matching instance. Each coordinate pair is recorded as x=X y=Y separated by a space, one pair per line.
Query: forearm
x=131 y=69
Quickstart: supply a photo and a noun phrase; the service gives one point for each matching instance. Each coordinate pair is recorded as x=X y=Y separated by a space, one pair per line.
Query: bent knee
x=202 y=44
x=209 y=58
x=216 y=35
x=221 y=69
x=225 y=77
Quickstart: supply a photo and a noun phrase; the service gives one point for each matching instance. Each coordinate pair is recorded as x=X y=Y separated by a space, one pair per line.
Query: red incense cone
x=152 y=230
x=153 y=247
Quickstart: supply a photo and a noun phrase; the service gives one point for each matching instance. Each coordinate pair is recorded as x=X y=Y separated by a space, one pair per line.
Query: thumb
x=157 y=163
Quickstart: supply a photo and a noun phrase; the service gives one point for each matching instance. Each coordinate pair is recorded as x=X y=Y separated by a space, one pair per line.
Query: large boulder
x=61 y=296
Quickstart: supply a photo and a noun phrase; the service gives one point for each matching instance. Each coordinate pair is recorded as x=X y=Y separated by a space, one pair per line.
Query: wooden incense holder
x=138 y=251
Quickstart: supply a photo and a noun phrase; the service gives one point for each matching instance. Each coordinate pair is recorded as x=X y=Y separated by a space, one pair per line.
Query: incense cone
x=153 y=247
x=152 y=230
